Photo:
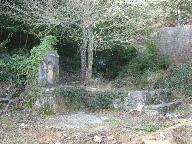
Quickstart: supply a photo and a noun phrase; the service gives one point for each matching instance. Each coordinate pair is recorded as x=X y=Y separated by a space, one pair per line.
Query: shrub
x=110 y=61
x=18 y=68
x=73 y=95
x=47 y=111
x=104 y=100
x=147 y=61
x=181 y=79
x=31 y=94
x=79 y=97
x=163 y=62
x=13 y=68
x=149 y=126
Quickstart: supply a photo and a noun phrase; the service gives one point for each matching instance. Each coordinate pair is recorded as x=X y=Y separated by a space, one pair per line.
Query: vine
x=37 y=55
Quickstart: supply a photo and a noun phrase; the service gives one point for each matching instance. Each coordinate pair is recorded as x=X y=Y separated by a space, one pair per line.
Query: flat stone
x=162 y=108
x=148 y=97
x=157 y=142
x=138 y=99
x=76 y=120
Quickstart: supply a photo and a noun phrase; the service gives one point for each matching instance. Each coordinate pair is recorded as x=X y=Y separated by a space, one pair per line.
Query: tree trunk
x=179 y=19
x=90 y=53
x=83 y=51
x=86 y=51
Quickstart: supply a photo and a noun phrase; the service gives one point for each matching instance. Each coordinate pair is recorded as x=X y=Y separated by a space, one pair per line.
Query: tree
x=94 y=23
x=174 y=12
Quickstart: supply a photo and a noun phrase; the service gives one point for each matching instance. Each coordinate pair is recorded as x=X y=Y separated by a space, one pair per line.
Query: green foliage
x=31 y=94
x=179 y=79
x=105 y=99
x=95 y=100
x=147 y=61
x=73 y=95
x=12 y=68
x=109 y=62
x=19 y=68
x=149 y=126
x=37 y=55
x=163 y=62
x=47 y=111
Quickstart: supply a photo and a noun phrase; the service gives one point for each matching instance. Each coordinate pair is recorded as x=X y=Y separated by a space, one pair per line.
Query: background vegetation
x=118 y=44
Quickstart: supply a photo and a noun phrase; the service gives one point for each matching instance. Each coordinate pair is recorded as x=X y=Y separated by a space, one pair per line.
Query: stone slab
x=162 y=108
x=139 y=99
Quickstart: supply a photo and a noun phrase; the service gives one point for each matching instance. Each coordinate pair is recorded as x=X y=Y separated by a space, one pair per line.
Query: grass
x=6 y=122
x=112 y=121
x=149 y=126
x=183 y=109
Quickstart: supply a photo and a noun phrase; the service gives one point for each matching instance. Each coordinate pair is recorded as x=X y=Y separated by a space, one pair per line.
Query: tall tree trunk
x=83 y=52
x=178 y=17
x=86 y=51
x=90 y=53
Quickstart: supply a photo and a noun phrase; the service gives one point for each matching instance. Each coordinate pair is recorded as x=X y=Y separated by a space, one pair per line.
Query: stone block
x=162 y=108
x=139 y=99
x=47 y=98
x=148 y=97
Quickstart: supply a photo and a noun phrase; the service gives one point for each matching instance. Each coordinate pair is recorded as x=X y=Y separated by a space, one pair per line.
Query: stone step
x=161 y=108
x=139 y=99
x=148 y=97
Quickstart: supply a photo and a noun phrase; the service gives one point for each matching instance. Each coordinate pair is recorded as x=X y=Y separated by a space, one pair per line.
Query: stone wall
x=176 y=42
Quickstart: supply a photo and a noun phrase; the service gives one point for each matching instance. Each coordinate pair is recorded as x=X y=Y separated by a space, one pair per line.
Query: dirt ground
x=106 y=127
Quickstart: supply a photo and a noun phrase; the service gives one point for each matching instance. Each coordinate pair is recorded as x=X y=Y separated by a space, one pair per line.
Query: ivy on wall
x=37 y=55
x=21 y=69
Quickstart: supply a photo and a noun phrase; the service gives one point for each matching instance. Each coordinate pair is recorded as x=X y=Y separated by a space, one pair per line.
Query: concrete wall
x=176 y=42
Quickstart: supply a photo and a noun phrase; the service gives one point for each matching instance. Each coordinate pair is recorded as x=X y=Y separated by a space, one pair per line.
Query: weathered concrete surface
x=176 y=42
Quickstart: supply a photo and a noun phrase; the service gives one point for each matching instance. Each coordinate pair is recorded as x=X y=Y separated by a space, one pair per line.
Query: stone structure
x=49 y=70
x=153 y=102
x=176 y=42
x=48 y=77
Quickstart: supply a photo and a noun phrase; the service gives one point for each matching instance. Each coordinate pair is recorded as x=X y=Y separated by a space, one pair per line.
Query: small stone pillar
x=49 y=70
x=48 y=78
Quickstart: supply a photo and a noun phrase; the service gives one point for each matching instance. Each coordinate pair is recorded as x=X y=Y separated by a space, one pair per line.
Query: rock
x=148 y=97
x=162 y=108
x=22 y=125
x=111 y=137
x=157 y=142
x=46 y=99
x=114 y=141
x=138 y=99
x=97 y=139
x=139 y=107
